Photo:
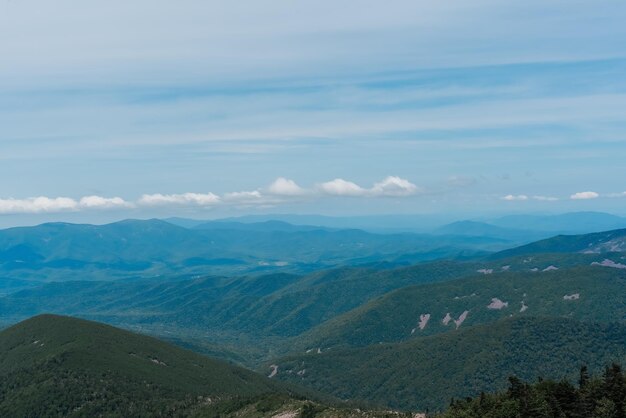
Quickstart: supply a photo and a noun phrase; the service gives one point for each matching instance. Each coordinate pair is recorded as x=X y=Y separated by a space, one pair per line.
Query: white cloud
x=99 y=202
x=194 y=199
x=39 y=204
x=622 y=194
x=244 y=197
x=390 y=186
x=511 y=197
x=546 y=198
x=394 y=186
x=341 y=187
x=43 y=204
x=278 y=192
x=285 y=187
x=584 y=196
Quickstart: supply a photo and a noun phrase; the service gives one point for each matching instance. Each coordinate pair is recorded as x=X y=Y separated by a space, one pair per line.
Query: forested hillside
x=425 y=373
x=599 y=396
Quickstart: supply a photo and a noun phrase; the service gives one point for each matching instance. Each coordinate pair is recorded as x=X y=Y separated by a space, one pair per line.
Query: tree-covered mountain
x=425 y=373
x=262 y=316
x=590 y=293
x=597 y=243
x=600 y=396
x=254 y=312
x=56 y=366
x=61 y=366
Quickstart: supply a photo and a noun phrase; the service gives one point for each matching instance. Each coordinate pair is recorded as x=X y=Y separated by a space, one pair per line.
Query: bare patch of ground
x=609 y=263
x=461 y=319
x=497 y=304
x=286 y=414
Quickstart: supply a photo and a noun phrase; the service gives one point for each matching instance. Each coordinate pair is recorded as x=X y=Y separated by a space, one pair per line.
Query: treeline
x=593 y=397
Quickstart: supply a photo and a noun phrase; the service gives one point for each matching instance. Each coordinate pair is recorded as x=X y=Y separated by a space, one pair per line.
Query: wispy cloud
x=43 y=204
x=545 y=198
x=584 y=196
x=511 y=197
x=192 y=199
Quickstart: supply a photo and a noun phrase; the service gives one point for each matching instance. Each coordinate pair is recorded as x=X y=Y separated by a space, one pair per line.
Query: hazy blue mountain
x=265 y=226
x=575 y=222
x=184 y=222
x=158 y=249
x=482 y=229
x=372 y=223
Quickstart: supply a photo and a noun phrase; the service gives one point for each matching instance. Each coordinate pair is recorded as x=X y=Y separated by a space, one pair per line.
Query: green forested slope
x=425 y=373
x=599 y=242
x=54 y=366
x=602 y=396
x=51 y=365
x=590 y=293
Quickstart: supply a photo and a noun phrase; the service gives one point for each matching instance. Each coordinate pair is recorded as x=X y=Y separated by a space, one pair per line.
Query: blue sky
x=208 y=109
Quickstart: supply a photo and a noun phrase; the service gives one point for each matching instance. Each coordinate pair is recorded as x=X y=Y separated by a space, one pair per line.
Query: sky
x=208 y=109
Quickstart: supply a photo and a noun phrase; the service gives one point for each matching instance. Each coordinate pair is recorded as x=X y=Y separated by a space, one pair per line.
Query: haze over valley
x=351 y=209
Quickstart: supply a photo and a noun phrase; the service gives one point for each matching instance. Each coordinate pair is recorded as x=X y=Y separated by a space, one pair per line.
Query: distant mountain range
x=155 y=249
x=567 y=223
x=440 y=328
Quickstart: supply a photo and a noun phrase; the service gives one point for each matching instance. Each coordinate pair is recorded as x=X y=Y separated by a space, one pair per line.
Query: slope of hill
x=55 y=366
x=597 y=243
x=591 y=396
x=255 y=317
x=59 y=365
x=592 y=293
x=425 y=373
x=243 y=313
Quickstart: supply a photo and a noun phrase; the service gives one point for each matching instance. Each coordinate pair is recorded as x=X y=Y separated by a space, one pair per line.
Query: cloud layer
x=280 y=191
x=44 y=204
x=584 y=196
x=391 y=186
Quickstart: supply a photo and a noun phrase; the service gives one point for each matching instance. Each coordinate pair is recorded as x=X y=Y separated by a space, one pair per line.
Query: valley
x=401 y=337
